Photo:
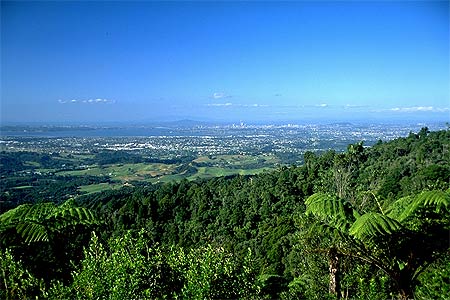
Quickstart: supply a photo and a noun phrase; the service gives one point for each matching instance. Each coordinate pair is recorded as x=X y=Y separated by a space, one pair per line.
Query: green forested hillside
x=370 y=223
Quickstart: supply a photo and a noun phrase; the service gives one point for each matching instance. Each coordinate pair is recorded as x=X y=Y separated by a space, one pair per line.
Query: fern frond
x=32 y=232
x=326 y=230
x=398 y=208
x=329 y=209
x=435 y=200
x=439 y=199
x=67 y=216
x=373 y=224
x=13 y=215
x=36 y=222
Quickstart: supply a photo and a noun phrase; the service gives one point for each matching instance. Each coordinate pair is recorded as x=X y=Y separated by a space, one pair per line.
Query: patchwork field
x=200 y=168
x=94 y=188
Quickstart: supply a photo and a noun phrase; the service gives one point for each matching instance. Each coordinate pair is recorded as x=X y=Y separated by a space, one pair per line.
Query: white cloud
x=354 y=106
x=220 y=95
x=220 y=104
x=236 y=105
x=87 y=101
x=254 y=105
x=322 y=105
x=418 y=109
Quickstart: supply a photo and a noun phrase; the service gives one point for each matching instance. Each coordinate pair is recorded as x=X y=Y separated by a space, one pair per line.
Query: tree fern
x=438 y=199
x=330 y=210
x=406 y=207
x=35 y=222
x=319 y=230
x=397 y=209
x=419 y=223
x=15 y=214
x=372 y=225
x=32 y=231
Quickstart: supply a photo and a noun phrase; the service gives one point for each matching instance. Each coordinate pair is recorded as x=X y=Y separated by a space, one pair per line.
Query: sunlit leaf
x=373 y=224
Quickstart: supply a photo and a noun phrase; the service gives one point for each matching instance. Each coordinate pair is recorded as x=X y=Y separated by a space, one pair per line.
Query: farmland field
x=200 y=168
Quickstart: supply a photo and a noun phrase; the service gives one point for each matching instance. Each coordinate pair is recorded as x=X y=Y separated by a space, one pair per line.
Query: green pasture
x=237 y=160
x=124 y=171
x=22 y=187
x=215 y=166
x=46 y=171
x=209 y=172
x=32 y=164
x=94 y=188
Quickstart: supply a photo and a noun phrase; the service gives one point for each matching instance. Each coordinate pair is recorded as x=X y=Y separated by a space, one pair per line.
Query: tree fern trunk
x=405 y=284
x=333 y=260
x=406 y=291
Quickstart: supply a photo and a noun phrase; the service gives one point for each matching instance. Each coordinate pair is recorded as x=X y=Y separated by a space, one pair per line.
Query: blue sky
x=224 y=61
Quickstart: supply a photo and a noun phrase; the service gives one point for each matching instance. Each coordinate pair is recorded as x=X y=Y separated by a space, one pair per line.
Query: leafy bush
x=129 y=267
x=15 y=281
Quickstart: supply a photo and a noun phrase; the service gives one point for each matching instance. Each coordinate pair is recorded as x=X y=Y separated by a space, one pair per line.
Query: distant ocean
x=99 y=132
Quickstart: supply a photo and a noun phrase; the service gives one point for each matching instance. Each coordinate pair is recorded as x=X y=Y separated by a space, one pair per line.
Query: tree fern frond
x=40 y=211
x=36 y=222
x=32 y=232
x=80 y=214
x=373 y=224
x=66 y=216
x=15 y=214
x=437 y=200
x=324 y=229
x=37 y=234
x=23 y=228
x=398 y=208
x=329 y=209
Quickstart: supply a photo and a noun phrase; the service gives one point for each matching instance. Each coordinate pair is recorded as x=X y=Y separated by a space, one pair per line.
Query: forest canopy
x=370 y=223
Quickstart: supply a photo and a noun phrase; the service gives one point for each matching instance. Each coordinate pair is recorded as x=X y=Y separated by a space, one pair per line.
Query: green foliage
x=213 y=273
x=329 y=209
x=398 y=209
x=372 y=225
x=127 y=268
x=131 y=268
x=371 y=284
x=394 y=246
x=308 y=268
x=434 y=283
x=46 y=237
x=37 y=222
x=15 y=281
x=438 y=199
x=407 y=209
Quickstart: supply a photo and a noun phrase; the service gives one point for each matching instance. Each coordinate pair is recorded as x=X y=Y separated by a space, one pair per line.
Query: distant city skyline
x=224 y=61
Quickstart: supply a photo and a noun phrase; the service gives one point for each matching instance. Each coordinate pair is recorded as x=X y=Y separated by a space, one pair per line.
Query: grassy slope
x=208 y=167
